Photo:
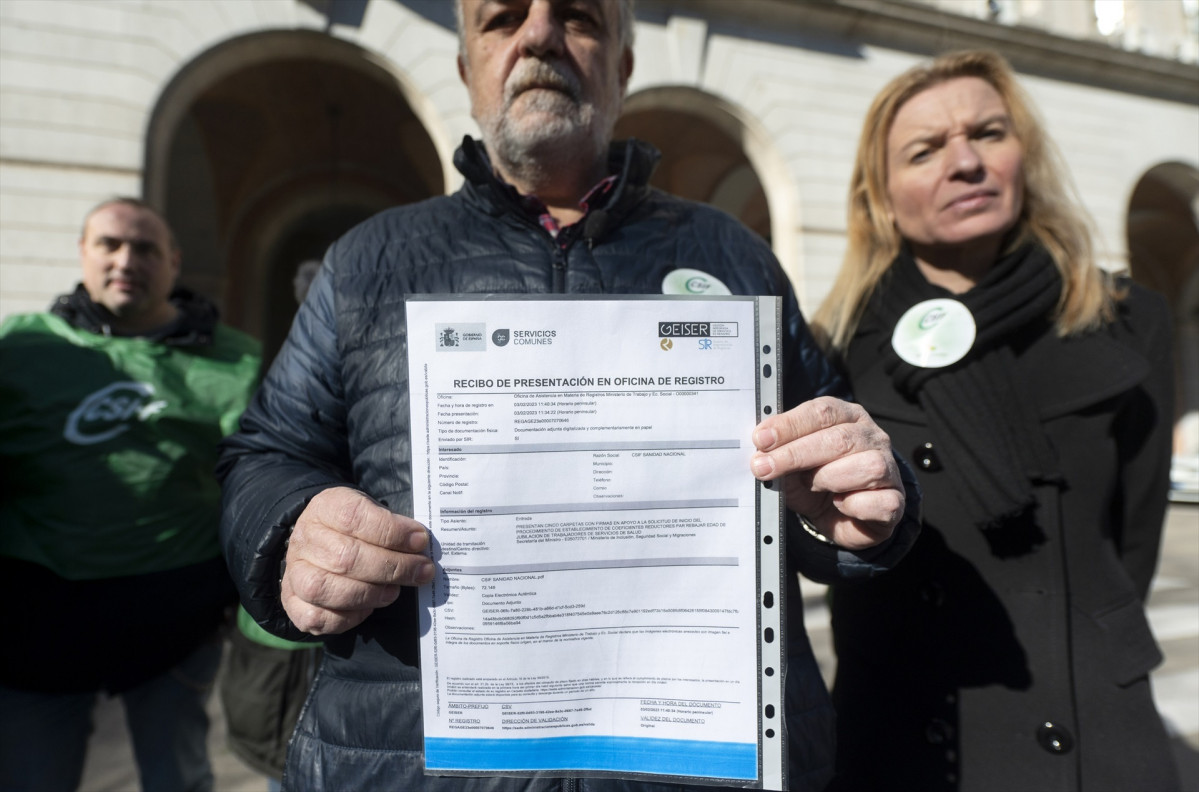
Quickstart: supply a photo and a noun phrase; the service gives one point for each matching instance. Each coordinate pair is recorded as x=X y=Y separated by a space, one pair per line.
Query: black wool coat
x=1020 y=663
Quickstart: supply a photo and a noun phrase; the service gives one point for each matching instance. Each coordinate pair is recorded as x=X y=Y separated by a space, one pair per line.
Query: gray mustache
x=540 y=74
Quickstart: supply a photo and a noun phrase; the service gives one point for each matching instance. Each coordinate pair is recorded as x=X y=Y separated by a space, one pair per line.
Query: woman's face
x=954 y=169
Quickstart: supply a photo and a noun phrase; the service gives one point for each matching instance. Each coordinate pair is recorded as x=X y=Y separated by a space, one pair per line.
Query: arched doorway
x=266 y=149
x=1163 y=253
x=703 y=155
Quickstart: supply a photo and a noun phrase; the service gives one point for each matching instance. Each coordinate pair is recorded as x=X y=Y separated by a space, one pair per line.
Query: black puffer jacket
x=333 y=410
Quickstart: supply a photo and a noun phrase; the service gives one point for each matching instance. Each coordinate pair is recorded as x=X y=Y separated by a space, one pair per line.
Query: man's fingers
x=809 y=451
x=841 y=474
x=866 y=517
x=345 y=554
x=859 y=497
x=822 y=448
x=854 y=520
x=343 y=532
x=811 y=416
x=350 y=512
x=348 y=556
x=867 y=470
x=313 y=618
x=326 y=589
x=814 y=434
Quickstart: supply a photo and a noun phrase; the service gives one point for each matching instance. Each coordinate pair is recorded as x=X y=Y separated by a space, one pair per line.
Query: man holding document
x=331 y=463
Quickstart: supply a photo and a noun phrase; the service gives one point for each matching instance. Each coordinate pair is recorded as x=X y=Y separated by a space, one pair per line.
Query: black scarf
x=991 y=441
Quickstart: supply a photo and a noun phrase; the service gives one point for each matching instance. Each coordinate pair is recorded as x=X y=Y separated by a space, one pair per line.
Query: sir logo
x=109 y=411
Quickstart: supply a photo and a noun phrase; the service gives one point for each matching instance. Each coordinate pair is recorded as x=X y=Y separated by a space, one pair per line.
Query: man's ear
x=462 y=71
x=626 y=68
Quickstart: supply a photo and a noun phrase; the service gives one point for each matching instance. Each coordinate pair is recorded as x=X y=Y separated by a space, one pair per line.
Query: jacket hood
x=194 y=326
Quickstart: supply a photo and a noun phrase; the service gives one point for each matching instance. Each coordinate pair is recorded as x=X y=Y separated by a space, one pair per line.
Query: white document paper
x=609 y=592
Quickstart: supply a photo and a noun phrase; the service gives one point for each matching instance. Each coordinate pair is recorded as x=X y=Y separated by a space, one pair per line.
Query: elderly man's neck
x=560 y=182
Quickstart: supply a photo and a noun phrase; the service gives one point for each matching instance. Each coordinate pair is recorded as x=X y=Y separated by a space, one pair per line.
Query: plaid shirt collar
x=537 y=210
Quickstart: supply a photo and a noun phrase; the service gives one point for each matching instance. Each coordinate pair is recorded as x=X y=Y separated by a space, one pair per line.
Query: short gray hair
x=625 y=24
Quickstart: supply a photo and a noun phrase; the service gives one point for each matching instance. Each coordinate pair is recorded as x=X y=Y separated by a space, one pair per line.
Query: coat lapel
x=1069 y=375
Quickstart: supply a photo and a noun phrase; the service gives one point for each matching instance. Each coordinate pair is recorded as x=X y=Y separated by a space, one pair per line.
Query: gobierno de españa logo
x=461 y=337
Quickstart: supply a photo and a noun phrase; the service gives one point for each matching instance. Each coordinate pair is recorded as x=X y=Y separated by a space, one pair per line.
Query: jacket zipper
x=558 y=265
x=559 y=268
x=566 y=239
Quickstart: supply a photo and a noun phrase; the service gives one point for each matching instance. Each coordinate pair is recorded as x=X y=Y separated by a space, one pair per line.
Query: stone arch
x=264 y=149
x=715 y=152
x=1163 y=253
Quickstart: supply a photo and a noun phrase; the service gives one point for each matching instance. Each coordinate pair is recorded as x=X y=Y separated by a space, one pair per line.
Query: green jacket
x=108 y=503
x=107 y=445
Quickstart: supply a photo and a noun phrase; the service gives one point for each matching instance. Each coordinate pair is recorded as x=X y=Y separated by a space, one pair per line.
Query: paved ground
x=1173 y=612
x=110 y=765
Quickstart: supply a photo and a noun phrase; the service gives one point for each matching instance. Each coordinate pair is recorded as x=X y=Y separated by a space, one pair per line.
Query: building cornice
x=926 y=30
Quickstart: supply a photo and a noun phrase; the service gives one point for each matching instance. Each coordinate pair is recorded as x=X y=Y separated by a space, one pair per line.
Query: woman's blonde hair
x=1050 y=213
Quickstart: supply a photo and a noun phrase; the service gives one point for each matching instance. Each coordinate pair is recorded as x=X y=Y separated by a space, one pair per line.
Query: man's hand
x=347 y=556
x=840 y=472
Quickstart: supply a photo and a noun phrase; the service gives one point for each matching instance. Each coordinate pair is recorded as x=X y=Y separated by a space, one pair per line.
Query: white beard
x=544 y=121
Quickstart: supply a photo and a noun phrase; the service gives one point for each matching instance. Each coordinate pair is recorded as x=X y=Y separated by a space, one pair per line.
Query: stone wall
x=86 y=86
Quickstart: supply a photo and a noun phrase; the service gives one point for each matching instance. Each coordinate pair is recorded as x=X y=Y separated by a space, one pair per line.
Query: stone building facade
x=265 y=128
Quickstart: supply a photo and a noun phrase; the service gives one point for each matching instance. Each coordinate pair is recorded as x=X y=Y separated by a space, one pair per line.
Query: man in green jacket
x=111 y=406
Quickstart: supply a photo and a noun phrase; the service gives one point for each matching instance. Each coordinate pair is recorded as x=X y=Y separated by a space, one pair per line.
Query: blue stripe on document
x=614 y=754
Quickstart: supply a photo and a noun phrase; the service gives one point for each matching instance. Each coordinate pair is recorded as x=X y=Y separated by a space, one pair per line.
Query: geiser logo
x=109 y=411
x=704 y=332
x=684 y=329
x=697 y=329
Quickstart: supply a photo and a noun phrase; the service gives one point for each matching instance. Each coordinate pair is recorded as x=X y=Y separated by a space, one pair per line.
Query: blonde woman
x=1010 y=650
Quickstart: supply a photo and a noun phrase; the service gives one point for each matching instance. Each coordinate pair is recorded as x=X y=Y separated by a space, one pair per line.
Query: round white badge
x=692 y=282
x=934 y=333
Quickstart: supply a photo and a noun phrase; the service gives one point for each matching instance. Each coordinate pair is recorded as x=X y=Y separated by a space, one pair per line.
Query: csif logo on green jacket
x=108 y=412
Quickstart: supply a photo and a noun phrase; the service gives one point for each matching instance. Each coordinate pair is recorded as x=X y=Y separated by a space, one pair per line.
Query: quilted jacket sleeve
x=809 y=375
x=290 y=446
